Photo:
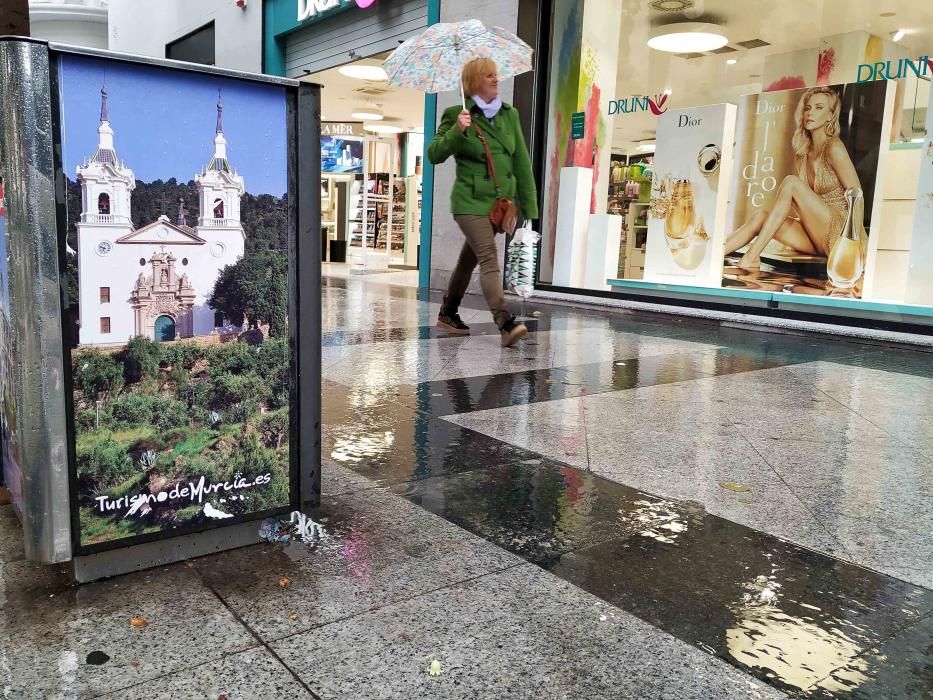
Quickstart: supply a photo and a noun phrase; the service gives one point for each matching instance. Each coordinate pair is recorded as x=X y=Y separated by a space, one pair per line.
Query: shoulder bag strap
x=490 y=166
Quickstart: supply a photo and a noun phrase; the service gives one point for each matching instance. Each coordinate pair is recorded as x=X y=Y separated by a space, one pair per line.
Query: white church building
x=152 y=281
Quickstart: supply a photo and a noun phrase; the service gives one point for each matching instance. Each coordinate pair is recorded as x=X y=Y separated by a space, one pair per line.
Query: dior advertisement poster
x=689 y=195
x=805 y=194
x=177 y=274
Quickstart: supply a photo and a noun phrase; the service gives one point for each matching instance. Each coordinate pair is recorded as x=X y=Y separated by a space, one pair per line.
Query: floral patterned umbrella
x=433 y=61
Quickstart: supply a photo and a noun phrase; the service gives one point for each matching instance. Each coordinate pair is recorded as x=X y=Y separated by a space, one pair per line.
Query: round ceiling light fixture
x=382 y=129
x=672 y=5
x=688 y=37
x=369 y=112
x=363 y=72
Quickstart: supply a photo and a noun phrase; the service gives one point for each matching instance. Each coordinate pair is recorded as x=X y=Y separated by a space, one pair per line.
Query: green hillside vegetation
x=159 y=414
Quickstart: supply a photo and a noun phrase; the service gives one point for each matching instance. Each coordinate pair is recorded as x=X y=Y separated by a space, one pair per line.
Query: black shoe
x=512 y=332
x=452 y=323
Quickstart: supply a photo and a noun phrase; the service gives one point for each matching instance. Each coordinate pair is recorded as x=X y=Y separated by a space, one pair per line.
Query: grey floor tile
x=900 y=548
x=248 y=675
x=668 y=449
x=48 y=630
x=518 y=634
x=337 y=480
x=376 y=549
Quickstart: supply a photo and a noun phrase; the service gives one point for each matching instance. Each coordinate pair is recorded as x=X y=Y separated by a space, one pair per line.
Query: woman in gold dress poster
x=806 y=158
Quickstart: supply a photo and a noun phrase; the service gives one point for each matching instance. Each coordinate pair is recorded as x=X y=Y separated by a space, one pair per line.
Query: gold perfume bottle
x=693 y=251
x=680 y=216
x=846 y=261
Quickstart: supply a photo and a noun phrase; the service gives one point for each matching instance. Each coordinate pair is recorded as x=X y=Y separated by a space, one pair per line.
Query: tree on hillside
x=254 y=289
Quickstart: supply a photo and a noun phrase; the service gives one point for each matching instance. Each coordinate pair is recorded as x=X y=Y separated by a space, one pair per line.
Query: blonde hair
x=802 y=138
x=474 y=72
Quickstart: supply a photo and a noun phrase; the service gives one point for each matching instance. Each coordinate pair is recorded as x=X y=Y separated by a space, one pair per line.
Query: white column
x=573 y=214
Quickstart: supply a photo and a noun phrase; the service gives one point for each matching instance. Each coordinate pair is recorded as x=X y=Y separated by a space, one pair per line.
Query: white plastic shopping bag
x=520 y=261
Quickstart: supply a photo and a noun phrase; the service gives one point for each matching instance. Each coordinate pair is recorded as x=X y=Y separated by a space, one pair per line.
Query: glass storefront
x=755 y=150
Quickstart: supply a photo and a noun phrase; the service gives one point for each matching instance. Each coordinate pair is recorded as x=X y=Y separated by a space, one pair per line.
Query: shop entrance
x=371 y=163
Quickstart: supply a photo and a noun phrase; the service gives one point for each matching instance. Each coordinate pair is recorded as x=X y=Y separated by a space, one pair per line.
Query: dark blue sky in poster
x=164 y=121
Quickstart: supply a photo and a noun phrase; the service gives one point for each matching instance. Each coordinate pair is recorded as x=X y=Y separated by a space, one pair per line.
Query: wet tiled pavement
x=625 y=506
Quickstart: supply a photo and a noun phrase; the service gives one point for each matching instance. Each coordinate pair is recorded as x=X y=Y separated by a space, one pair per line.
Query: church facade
x=152 y=281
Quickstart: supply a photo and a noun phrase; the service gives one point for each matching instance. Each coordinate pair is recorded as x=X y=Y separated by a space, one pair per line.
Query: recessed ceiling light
x=361 y=72
x=898 y=35
x=369 y=112
x=383 y=129
x=688 y=37
x=732 y=61
x=888 y=14
x=647 y=148
x=917 y=140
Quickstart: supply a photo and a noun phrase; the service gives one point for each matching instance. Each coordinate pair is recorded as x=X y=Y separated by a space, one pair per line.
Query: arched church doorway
x=164 y=329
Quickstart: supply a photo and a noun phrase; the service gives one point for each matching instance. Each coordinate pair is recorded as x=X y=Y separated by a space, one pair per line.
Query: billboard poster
x=805 y=195
x=178 y=274
x=689 y=195
x=920 y=262
x=341 y=155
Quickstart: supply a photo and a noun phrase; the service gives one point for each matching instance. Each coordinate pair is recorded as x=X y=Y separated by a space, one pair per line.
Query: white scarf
x=490 y=109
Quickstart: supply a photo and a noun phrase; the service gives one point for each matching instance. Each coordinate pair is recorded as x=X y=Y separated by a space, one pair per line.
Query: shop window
x=103 y=203
x=752 y=156
x=105 y=324
x=196 y=47
x=105 y=295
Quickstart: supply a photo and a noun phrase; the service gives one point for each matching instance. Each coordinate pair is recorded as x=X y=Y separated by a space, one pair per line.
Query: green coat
x=474 y=192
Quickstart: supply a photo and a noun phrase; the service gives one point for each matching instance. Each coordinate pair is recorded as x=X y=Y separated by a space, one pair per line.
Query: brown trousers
x=479 y=248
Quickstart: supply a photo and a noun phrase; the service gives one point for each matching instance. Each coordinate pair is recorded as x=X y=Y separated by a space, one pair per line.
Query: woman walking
x=474 y=192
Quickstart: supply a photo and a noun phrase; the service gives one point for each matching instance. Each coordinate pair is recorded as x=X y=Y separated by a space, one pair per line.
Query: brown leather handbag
x=504 y=214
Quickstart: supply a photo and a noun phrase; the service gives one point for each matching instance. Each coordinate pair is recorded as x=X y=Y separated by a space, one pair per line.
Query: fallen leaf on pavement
x=435 y=668
x=283 y=582
x=738 y=488
x=406 y=637
x=293 y=617
x=139 y=622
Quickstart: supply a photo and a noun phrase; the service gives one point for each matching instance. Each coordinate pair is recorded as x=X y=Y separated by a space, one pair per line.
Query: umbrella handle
x=462 y=95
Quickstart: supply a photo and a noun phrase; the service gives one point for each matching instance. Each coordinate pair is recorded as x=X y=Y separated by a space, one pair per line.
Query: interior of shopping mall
x=371 y=150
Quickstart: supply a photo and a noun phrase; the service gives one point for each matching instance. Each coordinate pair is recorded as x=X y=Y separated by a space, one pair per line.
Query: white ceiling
x=341 y=96
x=787 y=25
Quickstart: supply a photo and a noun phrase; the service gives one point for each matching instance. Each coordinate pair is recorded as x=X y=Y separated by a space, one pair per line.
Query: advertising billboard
x=178 y=276
x=806 y=159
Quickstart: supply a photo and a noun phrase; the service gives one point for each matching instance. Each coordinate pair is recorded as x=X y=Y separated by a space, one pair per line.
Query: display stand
x=602 y=250
x=573 y=217
x=154 y=518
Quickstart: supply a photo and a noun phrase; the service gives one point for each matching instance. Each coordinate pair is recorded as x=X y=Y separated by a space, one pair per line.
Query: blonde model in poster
x=810 y=208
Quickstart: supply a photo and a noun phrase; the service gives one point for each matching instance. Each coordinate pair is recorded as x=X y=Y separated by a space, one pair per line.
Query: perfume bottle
x=680 y=216
x=693 y=251
x=846 y=260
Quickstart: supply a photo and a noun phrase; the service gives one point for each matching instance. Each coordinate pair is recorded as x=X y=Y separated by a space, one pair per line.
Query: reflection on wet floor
x=803 y=621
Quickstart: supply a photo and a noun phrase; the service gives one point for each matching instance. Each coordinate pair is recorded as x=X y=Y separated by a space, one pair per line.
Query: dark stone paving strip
x=785 y=614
